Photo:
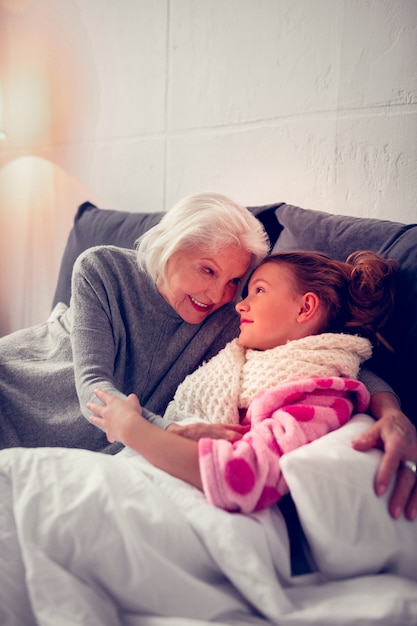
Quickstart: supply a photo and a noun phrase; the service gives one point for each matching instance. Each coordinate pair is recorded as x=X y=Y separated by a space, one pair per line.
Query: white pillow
x=348 y=527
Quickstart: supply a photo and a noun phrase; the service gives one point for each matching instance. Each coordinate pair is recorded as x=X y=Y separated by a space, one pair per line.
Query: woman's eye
x=236 y=281
x=259 y=290
x=208 y=270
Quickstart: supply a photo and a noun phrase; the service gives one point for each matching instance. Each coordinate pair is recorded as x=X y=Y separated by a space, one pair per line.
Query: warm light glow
x=15 y=6
x=3 y=134
x=43 y=104
x=38 y=201
x=29 y=114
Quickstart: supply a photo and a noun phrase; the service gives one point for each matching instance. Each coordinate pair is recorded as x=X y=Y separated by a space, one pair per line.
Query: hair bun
x=371 y=290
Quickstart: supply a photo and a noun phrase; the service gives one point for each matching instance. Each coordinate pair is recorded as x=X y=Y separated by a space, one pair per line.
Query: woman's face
x=269 y=315
x=198 y=282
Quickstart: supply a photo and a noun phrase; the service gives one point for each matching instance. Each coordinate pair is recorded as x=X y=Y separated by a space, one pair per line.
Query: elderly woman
x=139 y=323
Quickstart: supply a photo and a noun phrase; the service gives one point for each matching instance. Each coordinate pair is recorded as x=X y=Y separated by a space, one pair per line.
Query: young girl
x=306 y=326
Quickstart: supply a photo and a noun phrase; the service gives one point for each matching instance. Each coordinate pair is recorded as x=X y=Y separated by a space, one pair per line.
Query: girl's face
x=270 y=314
x=198 y=282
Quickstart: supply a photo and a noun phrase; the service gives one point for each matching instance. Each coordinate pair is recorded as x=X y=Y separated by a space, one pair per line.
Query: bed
x=329 y=555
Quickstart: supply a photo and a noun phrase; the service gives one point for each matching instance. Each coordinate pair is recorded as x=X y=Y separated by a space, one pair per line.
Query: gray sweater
x=118 y=334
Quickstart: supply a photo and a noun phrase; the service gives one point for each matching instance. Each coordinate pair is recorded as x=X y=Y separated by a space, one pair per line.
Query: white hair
x=207 y=220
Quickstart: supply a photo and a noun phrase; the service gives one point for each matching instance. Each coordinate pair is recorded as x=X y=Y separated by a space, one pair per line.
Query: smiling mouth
x=198 y=304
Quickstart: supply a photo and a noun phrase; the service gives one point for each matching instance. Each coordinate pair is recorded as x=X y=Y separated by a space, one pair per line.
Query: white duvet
x=88 y=539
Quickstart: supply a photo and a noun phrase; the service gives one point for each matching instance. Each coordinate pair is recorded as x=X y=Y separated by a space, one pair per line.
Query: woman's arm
x=92 y=332
x=122 y=420
x=396 y=435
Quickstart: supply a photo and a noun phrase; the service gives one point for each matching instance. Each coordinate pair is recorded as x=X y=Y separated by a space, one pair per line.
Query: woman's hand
x=229 y=432
x=117 y=416
x=396 y=435
x=122 y=420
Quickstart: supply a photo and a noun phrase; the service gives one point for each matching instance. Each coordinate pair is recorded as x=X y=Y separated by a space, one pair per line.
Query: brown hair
x=358 y=294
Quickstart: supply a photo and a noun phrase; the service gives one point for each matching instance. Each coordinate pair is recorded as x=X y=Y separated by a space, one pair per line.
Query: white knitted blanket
x=231 y=379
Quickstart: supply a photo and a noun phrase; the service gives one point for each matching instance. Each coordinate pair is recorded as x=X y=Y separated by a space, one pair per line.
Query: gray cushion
x=93 y=227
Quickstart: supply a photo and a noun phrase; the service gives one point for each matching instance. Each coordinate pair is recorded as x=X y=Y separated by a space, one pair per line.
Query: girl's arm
x=245 y=475
x=229 y=432
x=122 y=420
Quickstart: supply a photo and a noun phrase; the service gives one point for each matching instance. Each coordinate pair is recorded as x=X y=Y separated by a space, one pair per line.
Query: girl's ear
x=309 y=306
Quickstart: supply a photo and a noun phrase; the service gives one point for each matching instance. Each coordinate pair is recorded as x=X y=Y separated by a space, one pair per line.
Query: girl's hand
x=116 y=416
x=229 y=432
x=122 y=420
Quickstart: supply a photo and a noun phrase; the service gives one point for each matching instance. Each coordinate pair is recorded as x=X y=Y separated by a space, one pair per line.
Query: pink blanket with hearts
x=245 y=476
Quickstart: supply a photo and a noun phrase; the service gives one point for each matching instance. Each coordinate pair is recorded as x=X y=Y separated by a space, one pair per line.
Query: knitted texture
x=232 y=378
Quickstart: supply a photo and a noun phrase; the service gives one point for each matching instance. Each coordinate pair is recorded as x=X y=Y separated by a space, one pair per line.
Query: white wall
x=136 y=103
